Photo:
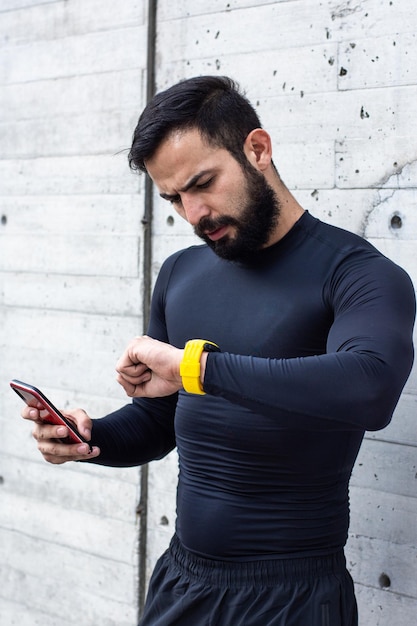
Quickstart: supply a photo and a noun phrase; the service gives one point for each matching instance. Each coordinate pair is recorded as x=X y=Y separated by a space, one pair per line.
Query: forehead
x=181 y=155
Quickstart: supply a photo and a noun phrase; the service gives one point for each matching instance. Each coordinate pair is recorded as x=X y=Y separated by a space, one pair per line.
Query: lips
x=217 y=234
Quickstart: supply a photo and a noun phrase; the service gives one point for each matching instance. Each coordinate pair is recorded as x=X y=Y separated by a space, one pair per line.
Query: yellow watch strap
x=190 y=368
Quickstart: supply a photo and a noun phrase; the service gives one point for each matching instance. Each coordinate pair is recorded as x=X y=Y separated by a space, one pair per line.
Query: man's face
x=232 y=208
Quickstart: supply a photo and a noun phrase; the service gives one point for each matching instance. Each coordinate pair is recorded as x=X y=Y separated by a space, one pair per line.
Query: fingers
x=50 y=444
x=132 y=377
x=131 y=372
x=127 y=368
x=135 y=359
x=149 y=368
x=81 y=420
x=132 y=388
x=50 y=437
x=29 y=413
x=57 y=453
x=129 y=360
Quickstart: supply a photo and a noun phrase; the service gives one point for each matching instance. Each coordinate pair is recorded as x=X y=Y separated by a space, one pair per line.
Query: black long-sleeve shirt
x=316 y=340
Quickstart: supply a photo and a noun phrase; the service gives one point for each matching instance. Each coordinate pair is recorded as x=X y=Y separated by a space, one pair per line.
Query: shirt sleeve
x=358 y=381
x=137 y=433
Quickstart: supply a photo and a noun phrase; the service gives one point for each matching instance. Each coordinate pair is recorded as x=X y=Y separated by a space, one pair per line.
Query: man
x=270 y=351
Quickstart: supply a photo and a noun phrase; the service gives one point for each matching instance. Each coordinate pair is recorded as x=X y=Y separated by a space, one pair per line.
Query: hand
x=50 y=436
x=149 y=368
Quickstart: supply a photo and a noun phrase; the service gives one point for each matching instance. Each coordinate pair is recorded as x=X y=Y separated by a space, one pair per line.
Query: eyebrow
x=193 y=180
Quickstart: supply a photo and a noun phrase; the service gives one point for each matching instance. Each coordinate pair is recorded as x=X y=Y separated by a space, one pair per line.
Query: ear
x=258 y=149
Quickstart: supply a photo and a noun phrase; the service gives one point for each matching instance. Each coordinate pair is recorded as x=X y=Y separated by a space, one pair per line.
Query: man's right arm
x=133 y=435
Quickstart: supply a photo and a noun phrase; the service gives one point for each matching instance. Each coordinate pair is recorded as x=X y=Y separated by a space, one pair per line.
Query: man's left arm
x=356 y=383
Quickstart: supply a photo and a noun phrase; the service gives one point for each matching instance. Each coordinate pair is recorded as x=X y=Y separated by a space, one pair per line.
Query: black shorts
x=188 y=590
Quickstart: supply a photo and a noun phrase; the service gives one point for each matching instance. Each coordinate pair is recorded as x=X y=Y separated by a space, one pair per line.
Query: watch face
x=210 y=347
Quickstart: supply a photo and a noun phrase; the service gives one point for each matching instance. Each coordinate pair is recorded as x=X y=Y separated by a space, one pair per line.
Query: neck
x=290 y=209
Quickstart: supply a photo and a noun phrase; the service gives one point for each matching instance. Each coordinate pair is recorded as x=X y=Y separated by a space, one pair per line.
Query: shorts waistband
x=262 y=572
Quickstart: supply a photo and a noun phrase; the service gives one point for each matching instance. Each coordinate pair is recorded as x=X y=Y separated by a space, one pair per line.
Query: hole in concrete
x=396 y=222
x=4 y=219
x=384 y=581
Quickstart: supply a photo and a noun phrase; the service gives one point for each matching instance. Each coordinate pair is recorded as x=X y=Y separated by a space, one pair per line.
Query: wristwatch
x=190 y=365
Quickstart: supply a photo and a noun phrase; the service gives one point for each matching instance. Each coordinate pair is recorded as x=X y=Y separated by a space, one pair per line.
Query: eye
x=175 y=200
x=206 y=184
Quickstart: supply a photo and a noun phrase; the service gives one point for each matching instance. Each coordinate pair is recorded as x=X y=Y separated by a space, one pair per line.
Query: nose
x=194 y=209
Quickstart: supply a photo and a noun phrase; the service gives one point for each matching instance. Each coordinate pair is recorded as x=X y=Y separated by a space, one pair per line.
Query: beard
x=254 y=226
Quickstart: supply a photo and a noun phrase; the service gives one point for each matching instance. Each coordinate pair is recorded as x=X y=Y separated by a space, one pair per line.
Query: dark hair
x=212 y=104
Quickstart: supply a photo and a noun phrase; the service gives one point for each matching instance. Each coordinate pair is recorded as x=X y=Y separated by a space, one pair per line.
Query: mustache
x=208 y=225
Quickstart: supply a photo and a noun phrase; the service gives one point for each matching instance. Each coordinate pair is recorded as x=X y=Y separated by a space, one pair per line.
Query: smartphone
x=33 y=397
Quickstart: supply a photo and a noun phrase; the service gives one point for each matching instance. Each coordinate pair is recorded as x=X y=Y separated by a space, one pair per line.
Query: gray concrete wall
x=335 y=84
x=71 y=86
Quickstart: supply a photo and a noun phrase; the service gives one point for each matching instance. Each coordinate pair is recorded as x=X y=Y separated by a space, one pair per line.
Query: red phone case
x=49 y=413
